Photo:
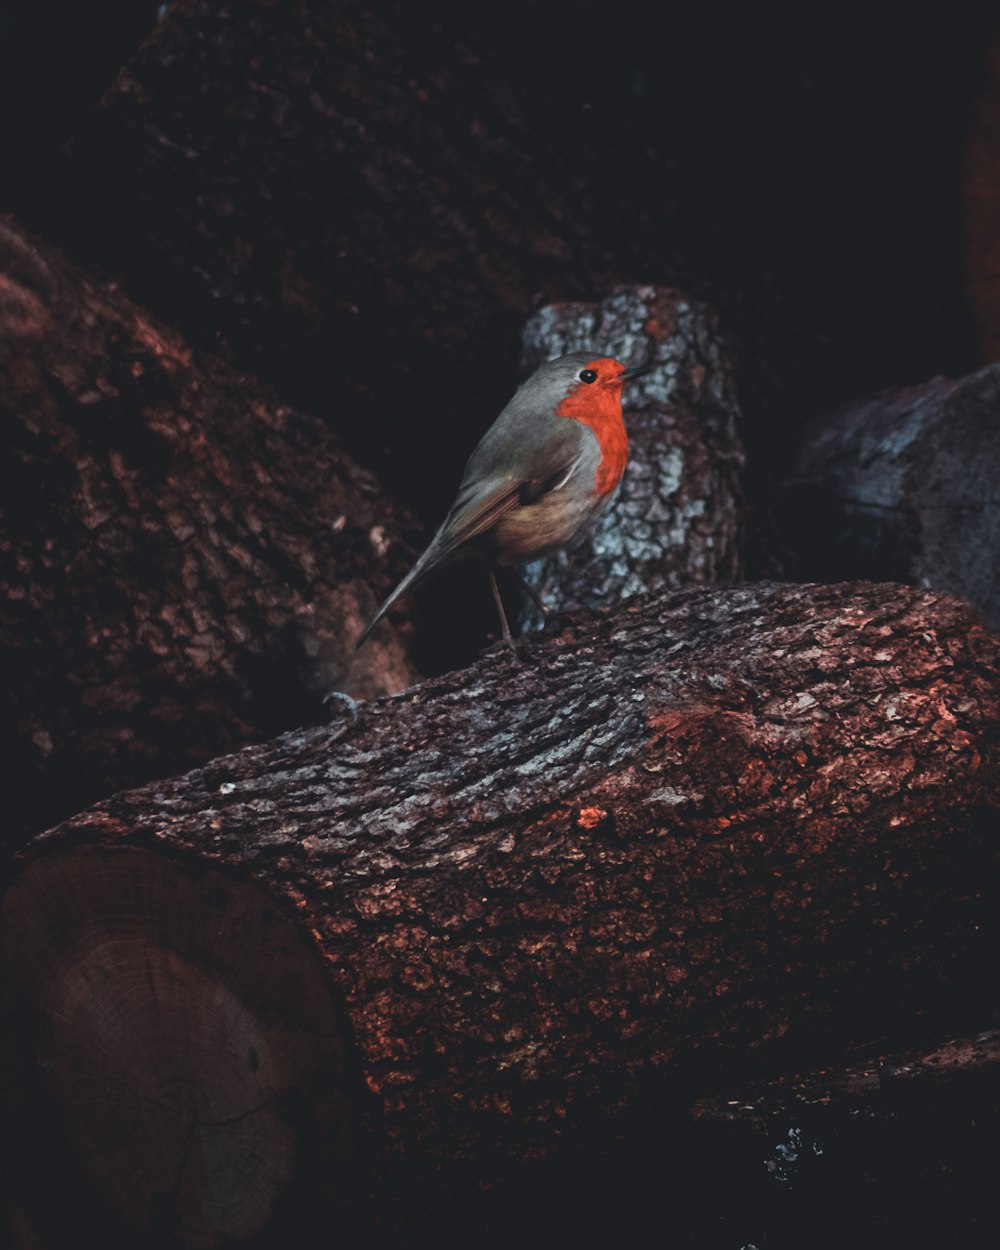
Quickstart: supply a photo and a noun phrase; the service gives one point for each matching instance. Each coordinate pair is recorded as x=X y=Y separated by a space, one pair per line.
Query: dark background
x=809 y=168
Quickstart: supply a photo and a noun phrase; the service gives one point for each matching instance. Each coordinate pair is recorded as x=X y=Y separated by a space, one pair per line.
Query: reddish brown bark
x=704 y=836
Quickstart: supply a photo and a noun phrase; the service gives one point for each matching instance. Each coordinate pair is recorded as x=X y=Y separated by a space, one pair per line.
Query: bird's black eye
x=588 y=375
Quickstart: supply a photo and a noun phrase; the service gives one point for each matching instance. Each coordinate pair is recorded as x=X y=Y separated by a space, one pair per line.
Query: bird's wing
x=478 y=507
x=484 y=498
x=475 y=511
x=481 y=505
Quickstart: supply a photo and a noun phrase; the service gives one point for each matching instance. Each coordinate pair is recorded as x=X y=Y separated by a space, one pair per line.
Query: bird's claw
x=338 y=704
x=502 y=646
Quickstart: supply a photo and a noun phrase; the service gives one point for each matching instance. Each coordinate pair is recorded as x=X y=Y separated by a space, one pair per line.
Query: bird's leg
x=551 y=617
x=532 y=594
x=503 y=615
x=348 y=705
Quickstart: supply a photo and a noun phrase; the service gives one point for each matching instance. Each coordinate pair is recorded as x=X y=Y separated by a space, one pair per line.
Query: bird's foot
x=341 y=706
x=502 y=646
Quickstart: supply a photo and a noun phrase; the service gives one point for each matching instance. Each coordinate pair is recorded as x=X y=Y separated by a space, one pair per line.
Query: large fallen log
x=707 y=836
x=185 y=561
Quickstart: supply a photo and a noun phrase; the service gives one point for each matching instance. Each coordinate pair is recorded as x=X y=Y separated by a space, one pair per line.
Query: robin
x=540 y=475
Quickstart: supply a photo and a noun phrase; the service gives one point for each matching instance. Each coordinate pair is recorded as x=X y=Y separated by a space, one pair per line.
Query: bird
x=544 y=470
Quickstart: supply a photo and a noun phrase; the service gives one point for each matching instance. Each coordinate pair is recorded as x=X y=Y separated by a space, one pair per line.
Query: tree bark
x=701 y=838
x=185 y=561
x=675 y=520
x=904 y=486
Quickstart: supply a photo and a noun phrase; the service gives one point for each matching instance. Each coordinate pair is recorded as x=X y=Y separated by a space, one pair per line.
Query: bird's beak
x=637 y=372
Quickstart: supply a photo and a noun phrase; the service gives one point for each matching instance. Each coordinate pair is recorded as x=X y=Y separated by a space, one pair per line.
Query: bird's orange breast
x=599 y=406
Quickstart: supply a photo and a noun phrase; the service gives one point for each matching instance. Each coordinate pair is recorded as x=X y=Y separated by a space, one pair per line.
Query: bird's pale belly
x=550 y=523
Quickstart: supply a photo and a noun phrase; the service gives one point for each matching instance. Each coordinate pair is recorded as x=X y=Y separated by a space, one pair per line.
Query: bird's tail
x=475 y=510
x=427 y=561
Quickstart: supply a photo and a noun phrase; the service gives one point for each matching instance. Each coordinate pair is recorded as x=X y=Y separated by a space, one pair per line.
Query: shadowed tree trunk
x=904 y=486
x=401 y=185
x=980 y=206
x=185 y=561
x=709 y=833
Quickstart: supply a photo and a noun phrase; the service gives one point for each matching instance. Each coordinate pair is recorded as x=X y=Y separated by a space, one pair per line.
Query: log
x=903 y=486
x=185 y=560
x=706 y=836
x=675 y=520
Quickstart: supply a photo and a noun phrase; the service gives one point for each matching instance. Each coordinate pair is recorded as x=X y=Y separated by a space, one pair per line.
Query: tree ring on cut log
x=187 y=1036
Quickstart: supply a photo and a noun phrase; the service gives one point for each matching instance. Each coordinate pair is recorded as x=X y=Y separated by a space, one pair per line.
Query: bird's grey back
x=527 y=436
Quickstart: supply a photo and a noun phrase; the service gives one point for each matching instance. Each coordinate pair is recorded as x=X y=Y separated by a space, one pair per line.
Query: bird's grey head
x=553 y=381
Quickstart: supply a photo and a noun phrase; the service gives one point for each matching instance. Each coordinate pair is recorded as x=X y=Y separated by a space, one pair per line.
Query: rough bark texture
x=676 y=518
x=184 y=560
x=905 y=486
x=710 y=833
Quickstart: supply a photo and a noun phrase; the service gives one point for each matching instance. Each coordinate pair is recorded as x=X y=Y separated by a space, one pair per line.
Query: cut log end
x=188 y=1037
